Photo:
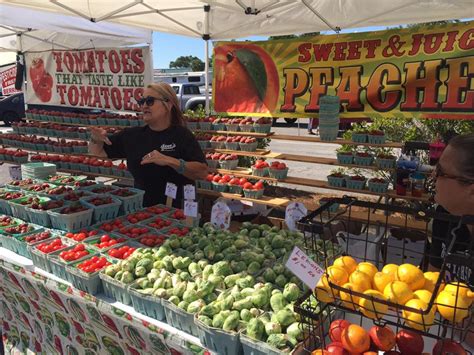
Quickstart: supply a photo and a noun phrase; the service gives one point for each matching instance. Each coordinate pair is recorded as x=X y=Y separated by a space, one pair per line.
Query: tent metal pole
x=151 y=60
x=115 y=12
x=65 y=7
x=321 y=17
x=206 y=37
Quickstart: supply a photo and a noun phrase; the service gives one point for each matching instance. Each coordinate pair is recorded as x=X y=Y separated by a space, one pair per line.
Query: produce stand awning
x=235 y=19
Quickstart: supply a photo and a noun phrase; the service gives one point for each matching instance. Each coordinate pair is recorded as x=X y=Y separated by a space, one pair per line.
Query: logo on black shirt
x=168 y=147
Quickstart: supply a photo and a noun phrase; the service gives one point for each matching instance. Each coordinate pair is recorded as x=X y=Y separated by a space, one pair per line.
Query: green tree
x=309 y=34
x=189 y=61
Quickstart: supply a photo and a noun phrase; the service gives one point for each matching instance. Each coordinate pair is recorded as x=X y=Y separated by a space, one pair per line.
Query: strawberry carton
x=260 y=168
x=18 y=206
x=20 y=184
x=278 y=170
x=203 y=140
x=99 y=189
x=218 y=142
x=218 y=124
x=212 y=160
x=37 y=212
x=232 y=142
x=254 y=191
x=205 y=124
x=25 y=242
x=232 y=124
x=228 y=161
x=152 y=239
x=10 y=235
x=76 y=195
x=8 y=221
x=5 y=197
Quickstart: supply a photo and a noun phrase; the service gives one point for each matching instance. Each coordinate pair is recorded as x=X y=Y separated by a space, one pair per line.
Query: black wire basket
x=406 y=297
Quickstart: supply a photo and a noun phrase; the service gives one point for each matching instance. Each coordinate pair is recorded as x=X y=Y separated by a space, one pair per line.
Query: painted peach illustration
x=246 y=79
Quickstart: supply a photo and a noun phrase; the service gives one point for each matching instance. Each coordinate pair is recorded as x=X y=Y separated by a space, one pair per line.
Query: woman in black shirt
x=162 y=151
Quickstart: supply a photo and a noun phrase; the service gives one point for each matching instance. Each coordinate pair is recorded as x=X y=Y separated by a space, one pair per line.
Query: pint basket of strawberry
x=18 y=206
x=66 y=256
x=378 y=185
x=212 y=160
x=38 y=212
x=76 y=195
x=99 y=189
x=84 y=274
x=105 y=207
x=356 y=182
x=376 y=137
x=232 y=142
x=263 y=125
x=278 y=170
x=218 y=124
x=246 y=125
x=248 y=144
x=58 y=193
x=10 y=235
x=232 y=124
x=132 y=199
x=40 y=252
x=8 y=221
x=20 y=184
x=218 y=142
x=260 y=168
x=253 y=190
x=203 y=140
x=71 y=218
x=228 y=161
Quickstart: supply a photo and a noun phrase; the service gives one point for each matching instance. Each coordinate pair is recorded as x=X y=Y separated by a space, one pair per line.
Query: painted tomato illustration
x=246 y=79
x=44 y=88
x=36 y=72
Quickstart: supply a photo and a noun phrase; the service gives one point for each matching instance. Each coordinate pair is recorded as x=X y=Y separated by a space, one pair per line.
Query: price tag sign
x=294 y=212
x=304 y=268
x=171 y=190
x=189 y=192
x=220 y=215
x=190 y=209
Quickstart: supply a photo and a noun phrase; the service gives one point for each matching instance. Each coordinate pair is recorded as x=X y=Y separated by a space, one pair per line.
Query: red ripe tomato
x=216 y=178
x=258 y=185
x=248 y=186
x=79 y=247
x=105 y=238
x=114 y=253
x=242 y=181
x=111 y=242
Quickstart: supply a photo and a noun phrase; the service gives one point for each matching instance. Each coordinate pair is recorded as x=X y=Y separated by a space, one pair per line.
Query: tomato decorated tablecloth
x=42 y=314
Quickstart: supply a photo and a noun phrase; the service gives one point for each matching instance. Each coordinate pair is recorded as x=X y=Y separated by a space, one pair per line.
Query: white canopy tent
x=228 y=19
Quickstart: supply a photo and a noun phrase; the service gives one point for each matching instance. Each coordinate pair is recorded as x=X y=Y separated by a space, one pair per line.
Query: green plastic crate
x=115 y=289
x=218 y=340
x=180 y=319
x=148 y=305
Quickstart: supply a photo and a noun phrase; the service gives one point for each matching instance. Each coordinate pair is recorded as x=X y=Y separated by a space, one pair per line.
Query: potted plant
x=356 y=181
x=345 y=154
x=385 y=159
x=337 y=178
x=377 y=185
x=376 y=136
x=359 y=134
x=364 y=158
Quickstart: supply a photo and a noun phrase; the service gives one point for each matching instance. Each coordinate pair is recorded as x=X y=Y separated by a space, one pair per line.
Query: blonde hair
x=167 y=92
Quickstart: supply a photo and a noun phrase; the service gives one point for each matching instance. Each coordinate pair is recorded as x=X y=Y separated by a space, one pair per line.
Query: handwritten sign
x=190 y=208
x=189 y=192
x=171 y=190
x=220 y=215
x=304 y=268
x=294 y=212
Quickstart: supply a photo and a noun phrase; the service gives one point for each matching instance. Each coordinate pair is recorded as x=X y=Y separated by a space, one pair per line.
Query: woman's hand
x=99 y=135
x=155 y=157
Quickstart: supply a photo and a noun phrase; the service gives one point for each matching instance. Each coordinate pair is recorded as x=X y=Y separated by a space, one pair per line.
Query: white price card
x=189 y=192
x=220 y=215
x=190 y=208
x=304 y=268
x=171 y=190
x=294 y=212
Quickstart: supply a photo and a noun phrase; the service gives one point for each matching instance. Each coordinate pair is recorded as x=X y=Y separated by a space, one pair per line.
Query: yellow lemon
x=461 y=290
x=370 y=307
x=346 y=262
x=425 y=296
x=323 y=292
x=368 y=268
x=411 y=275
x=390 y=269
x=418 y=320
x=431 y=277
x=337 y=275
x=452 y=308
x=398 y=292
x=361 y=280
x=382 y=279
x=349 y=300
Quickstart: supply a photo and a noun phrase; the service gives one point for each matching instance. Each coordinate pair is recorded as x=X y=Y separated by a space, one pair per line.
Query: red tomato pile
x=138 y=216
x=159 y=223
x=54 y=245
x=112 y=225
x=178 y=231
x=133 y=231
x=178 y=214
x=79 y=237
x=106 y=241
x=121 y=253
x=158 y=210
x=93 y=264
x=79 y=251
x=152 y=240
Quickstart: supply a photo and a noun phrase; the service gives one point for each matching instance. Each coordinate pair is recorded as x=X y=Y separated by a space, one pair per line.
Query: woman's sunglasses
x=439 y=172
x=150 y=100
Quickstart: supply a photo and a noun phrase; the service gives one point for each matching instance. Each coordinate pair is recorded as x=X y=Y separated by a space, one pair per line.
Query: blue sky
x=167 y=47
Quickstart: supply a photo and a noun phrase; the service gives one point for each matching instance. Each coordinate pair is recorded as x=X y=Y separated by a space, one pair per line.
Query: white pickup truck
x=189 y=96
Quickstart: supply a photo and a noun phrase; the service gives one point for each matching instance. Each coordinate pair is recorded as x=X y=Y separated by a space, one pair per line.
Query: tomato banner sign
x=424 y=72
x=103 y=78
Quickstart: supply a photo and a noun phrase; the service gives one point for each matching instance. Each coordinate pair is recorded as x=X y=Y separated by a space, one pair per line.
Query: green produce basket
x=256 y=347
x=218 y=340
x=70 y=222
x=131 y=203
x=148 y=305
x=19 y=210
x=115 y=289
x=179 y=319
x=9 y=242
x=58 y=266
x=24 y=247
x=88 y=282
x=103 y=212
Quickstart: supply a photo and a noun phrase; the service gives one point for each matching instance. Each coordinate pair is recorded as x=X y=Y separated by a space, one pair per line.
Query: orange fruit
x=355 y=339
